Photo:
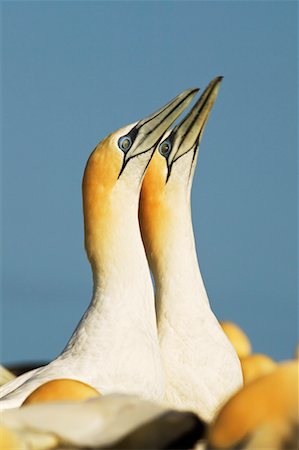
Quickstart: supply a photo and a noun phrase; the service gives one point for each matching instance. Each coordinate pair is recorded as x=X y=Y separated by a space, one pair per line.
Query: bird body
x=201 y=366
x=115 y=346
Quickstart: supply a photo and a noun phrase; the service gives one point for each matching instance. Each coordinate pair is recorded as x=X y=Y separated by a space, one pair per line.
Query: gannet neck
x=122 y=281
x=118 y=331
x=201 y=366
x=110 y=205
x=167 y=231
x=178 y=268
x=115 y=346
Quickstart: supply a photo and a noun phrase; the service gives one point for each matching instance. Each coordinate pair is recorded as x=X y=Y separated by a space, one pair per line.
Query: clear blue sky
x=75 y=71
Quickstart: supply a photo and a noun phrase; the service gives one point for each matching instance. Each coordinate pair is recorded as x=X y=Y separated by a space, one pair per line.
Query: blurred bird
x=238 y=338
x=255 y=366
x=262 y=415
x=61 y=389
x=5 y=375
x=110 y=421
x=115 y=346
x=202 y=368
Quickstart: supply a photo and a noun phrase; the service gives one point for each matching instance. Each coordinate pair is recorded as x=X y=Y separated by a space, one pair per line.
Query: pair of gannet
x=189 y=363
x=115 y=346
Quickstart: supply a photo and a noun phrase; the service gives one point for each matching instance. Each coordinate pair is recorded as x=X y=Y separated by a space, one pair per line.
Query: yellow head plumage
x=168 y=179
x=99 y=180
x=114 y=173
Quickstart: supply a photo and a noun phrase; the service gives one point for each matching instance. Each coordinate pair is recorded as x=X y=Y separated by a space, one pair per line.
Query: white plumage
x=115 y=346
x=201 y=367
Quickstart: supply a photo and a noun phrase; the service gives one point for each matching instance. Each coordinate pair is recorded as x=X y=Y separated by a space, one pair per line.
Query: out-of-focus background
x=74 y=71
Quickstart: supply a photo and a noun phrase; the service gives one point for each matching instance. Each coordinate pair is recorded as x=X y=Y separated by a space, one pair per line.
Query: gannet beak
x=187 y=134
x=146 y=134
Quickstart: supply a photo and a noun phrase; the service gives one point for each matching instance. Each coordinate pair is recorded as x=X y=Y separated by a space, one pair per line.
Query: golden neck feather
x=99 y=180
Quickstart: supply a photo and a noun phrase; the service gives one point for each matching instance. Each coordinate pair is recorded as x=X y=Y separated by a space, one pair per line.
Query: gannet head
x=165 y=192
x=114 y=172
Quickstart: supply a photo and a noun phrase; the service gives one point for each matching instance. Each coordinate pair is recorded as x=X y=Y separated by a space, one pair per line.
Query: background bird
x=201 y=366
x=115 y=347
x=262 y=415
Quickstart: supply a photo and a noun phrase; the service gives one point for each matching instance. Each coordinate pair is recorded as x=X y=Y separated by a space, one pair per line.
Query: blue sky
x=75 y=71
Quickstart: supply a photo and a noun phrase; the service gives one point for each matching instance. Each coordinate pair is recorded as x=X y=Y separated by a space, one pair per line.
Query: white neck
x=201 y=367
x=122 y=286
x=117 y=336
x=179 y=279
x=115 y=346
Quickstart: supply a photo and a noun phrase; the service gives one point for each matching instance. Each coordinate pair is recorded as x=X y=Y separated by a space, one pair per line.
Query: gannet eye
x=125 y=143
x=165 y=148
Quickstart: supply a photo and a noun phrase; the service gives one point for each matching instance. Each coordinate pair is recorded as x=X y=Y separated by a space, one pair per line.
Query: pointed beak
x=187 y=134
x=147 y=132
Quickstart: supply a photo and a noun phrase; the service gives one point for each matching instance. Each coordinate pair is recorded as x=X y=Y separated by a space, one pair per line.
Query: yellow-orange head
x=113 y=176
x=165 y=194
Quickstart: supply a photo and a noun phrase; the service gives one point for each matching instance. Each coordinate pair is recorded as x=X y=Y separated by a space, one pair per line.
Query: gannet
x=5 y=375
x=255 y=366
x=201 y=366
x=59 y=390
x=115 y=346
x=238 y=338
x=262 y=415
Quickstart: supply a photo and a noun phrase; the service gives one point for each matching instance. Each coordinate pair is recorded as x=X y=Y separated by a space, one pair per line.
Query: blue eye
x=164 y=148
x=125 y=143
